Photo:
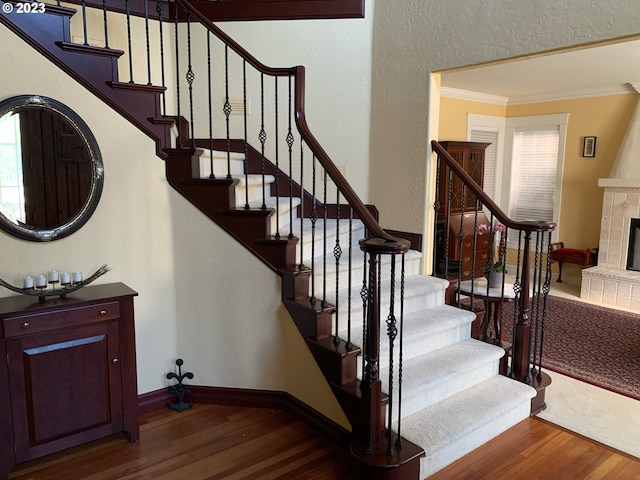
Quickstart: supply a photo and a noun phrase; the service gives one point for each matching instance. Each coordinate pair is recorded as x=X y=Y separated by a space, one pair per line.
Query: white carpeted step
x=424 y=331
x=412 y=265
x=307 y=237
x=457 y=425
x=437 y=375
x=420 y=292
x=220 y=167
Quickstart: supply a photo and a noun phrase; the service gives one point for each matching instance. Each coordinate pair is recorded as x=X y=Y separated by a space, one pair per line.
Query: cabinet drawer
x=42 y=322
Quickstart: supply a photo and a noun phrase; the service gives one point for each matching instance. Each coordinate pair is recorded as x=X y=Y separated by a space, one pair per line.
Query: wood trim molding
x=234 y=10
x=279 y=400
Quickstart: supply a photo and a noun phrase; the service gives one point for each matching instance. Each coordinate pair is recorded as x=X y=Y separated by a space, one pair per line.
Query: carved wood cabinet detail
x=462 y=208
x=70 y=372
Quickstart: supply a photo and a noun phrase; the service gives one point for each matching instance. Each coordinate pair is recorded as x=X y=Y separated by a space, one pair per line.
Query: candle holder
x=180 y=390
x=42 y=292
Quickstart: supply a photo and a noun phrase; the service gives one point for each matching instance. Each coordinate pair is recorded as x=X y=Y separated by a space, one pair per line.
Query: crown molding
x=472 y=96
x=631 y=87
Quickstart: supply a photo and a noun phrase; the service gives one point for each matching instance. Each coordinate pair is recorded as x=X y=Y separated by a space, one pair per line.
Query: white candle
x=53 y=276
x=66 y=278
x=42 y=281
x=28 y=281
x=77 y=277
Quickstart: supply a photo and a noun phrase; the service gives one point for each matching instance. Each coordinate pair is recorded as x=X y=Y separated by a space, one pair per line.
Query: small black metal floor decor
x=179 y=389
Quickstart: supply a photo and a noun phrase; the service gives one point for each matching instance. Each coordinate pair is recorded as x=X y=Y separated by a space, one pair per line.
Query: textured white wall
x=415 y=37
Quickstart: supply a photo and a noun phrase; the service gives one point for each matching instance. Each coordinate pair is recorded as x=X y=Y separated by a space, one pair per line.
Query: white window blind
x=533 y=175
x=487 y=136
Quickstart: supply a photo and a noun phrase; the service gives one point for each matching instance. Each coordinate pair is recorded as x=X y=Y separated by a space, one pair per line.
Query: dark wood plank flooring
x=221 y=442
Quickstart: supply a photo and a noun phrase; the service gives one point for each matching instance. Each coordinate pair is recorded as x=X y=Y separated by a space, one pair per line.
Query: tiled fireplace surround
x=610 y=282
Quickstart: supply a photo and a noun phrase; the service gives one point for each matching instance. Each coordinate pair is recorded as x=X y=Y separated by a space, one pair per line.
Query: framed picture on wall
x=589 y=147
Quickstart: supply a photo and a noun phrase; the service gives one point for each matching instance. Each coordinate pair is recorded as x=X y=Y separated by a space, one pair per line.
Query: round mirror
x=51 y=171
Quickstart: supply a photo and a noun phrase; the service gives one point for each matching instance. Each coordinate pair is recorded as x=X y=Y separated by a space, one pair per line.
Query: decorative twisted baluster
x=226 y=108
x=128 y=15
x=392 y=333
x=337 y=254
x=190 y=76
x=160 y=11
x=146 y=32
x=262 y=136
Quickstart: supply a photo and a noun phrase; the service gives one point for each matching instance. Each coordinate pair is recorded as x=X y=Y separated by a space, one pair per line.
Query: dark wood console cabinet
x=69 y=374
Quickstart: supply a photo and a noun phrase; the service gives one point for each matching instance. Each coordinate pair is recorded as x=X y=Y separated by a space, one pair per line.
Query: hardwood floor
x=221 y=442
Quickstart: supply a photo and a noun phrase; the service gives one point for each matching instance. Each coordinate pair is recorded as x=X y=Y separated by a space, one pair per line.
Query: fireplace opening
x=633 y=256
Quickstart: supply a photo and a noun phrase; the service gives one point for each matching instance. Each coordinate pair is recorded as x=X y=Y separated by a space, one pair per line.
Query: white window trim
x=492 y=124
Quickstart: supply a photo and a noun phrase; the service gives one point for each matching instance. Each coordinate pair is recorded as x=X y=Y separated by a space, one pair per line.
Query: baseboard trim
x=249 y=398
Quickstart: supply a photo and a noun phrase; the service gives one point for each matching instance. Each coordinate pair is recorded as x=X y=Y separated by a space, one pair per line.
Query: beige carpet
x=596 y=413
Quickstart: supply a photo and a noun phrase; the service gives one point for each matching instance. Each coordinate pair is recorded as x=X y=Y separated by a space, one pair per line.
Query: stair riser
x=434 y=461
x=255 y=193
x=219 y=166
x=418 y=399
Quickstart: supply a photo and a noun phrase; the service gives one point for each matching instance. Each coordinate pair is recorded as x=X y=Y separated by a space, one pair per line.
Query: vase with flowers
x=495 y=267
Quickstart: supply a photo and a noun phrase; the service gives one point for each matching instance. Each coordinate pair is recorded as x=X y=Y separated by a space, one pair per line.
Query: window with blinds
x=487 y=136
x=534 y=172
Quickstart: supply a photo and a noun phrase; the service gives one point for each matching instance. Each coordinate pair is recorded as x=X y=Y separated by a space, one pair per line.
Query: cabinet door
x=65 y=388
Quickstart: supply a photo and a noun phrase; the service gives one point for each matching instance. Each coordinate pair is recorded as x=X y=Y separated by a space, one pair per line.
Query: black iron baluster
x=290 y=144
x=535 y=305
x=178 y=119
x=448 y=228
x=517 y=289
x=349 y=274
x=324 y=242
x=128 y=15
x=314 y=219
x=84 y=24
x=301 y=239
x=246 y=142
x=545 y=291
x=262 y=136
x=211 y=169
x=190 y=76
x=337 y=254
x=160 y=11
x=104 y=22
x=227 y=107
x=277 y=154
x=392 y=333
x=146 y=31
x=290 y=171
x=400 y=354
x=437 y=239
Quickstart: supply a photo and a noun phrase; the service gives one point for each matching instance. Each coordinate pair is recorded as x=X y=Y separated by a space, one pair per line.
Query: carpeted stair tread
x=426 y=330
x=461 y=421
x=420 y=292
x=438 y=374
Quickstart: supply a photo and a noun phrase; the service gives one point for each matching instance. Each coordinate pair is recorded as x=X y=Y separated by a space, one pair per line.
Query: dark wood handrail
x=526 y=226
x=391 y=244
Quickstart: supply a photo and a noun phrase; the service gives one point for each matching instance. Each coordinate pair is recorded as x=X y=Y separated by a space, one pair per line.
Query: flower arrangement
x=497 y=232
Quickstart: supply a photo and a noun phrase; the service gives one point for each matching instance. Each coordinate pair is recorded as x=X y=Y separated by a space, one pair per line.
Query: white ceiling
x=599 y=70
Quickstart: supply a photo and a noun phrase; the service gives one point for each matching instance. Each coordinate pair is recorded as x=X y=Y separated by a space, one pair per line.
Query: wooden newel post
x=522 y=334
x=371 y=386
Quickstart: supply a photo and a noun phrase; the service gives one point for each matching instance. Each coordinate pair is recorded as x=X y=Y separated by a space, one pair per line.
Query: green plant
x=496 y=267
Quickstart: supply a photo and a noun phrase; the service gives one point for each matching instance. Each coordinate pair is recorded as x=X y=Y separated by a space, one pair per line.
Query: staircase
x=438 y=389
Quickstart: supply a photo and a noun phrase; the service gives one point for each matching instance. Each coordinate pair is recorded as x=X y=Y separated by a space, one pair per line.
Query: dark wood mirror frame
x=62 y=169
